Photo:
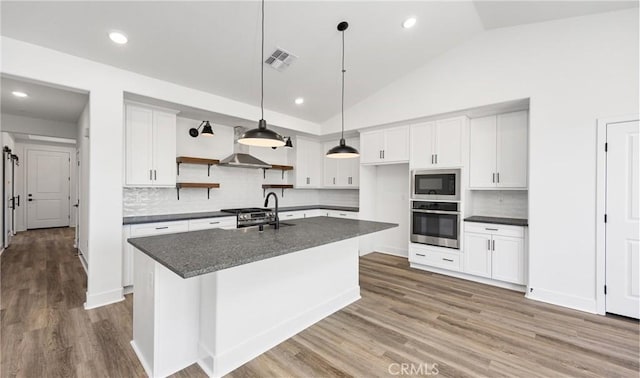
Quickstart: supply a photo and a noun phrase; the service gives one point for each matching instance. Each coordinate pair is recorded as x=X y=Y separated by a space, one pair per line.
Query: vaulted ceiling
x=215 y=46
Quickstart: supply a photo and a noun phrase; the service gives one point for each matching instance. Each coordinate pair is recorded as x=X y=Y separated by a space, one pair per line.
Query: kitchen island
x=222 y=297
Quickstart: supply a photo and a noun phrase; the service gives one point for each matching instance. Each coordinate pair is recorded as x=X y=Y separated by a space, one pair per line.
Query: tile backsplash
x=500 y=203
x=238 y=188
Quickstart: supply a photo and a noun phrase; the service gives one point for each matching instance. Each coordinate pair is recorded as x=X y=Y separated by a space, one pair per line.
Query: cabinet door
x=422 y=153
x=396 y=147
x=448 y=143
x=164 y=148
x=508 y=259
x=372 y=144
x=482 y=152
x=138 y=146
x=330 y=176
x=315 y=157
x=512 y=150
x=301 y=169
x=348 y=170
x=477 y=254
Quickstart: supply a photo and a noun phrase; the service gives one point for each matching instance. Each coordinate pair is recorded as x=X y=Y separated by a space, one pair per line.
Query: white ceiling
x=45 y=102
x=215 y=46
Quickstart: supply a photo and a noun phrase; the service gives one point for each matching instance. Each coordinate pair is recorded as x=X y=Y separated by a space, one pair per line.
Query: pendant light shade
x=342 y=151
x=262 y=137
x=288 y=144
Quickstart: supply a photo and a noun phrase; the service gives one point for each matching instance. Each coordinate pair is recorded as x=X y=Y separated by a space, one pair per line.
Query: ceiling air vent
x=280 y=59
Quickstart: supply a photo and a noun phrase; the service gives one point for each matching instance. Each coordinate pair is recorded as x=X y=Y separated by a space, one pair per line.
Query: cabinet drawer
x=315 y=213
x=211 y=223
x=446 y=260
x=494 y=229
x=288 y=215
x=342 y=214
x=158 y=228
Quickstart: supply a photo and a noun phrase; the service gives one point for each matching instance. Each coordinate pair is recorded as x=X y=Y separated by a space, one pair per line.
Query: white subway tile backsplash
x=238 y=188
x=500 y=203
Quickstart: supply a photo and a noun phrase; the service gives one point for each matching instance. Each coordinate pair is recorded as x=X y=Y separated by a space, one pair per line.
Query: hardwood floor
x=407 y=322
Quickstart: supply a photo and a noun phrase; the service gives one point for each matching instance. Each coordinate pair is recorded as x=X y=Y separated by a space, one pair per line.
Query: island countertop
x=194 y=253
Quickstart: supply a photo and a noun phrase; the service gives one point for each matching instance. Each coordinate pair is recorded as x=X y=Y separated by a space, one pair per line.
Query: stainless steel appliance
x=252 y=216
x=436 y=223
x=436 y=184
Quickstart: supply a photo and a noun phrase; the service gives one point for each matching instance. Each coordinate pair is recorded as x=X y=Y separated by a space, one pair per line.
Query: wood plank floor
x=428 y=322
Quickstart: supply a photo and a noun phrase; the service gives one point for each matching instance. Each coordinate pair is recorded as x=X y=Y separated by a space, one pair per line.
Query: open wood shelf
x=202 y=185
x=195 y=160
x=275 y=186
x=277 y=167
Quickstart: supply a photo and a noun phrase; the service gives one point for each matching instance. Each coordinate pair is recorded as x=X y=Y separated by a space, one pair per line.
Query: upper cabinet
x=150 y=146
x=308 y=163
x=438 y=144
x=385 y=146
x=498 y=151
x=341 y=173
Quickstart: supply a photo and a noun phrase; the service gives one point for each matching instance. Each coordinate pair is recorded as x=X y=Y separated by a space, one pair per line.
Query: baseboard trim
x=232 y=359
x=468 y=277
x=143 y=361
x=564 y=300
x=103 y=299
x=393 y=251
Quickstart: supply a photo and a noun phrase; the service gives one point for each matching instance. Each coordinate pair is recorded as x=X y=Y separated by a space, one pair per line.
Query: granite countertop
x=194 y=253
x=498 y=220
x=216 y=214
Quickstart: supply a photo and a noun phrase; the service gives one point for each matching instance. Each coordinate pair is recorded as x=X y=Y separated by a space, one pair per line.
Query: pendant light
x=262 y=137
x=342 y=150
x=206 y=130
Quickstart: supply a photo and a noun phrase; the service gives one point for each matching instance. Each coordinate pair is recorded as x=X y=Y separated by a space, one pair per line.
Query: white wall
x=82 y=165
x=106 y=85
x=37 y=126
x=574 y=71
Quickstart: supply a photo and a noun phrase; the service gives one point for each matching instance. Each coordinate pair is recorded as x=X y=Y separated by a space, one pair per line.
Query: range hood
x=240 y=158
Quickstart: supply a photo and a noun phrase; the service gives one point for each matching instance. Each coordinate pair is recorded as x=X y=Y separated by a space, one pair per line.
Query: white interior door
x=8 y=194
x=48 y=180
x=623 y=213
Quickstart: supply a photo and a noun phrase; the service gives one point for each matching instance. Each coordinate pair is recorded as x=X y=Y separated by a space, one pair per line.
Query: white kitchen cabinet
x=495 y=251
x=385 y=146
x=342 y=214
x=315 y=213
x=290 y=215
x=341 y=173
x=438 y=144
x=498 y=151
x=308 y=163
x=212 y=223
x=150 y=147
x=432 y=256
x=140 y=230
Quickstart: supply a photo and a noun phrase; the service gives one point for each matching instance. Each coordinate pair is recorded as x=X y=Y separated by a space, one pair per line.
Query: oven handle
x=436 y=212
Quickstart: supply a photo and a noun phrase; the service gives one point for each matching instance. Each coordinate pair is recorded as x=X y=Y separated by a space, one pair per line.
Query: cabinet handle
x=334 y=181
x=493 y=245
x=380 y=154
x=420 y=254
x=491 y=229
x=288 y=215
x=308 y=181
x=493 y=178
x=383 y=154
x=432 y=159
x=155 y=174
x=342 y=214
x=162 y=228
x=214 y=222
x=150 y=174
x=436 y=158
x=449 y=260
x=488 y=245
x=498 y=177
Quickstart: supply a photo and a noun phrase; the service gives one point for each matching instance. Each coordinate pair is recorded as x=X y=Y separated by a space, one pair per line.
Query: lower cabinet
x=211 y=223
x=496 y=252
x=342 y=214
x=289 y=215
x=439 y=257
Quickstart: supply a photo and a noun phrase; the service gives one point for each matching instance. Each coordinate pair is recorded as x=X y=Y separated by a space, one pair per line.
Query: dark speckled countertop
x=498 y=220
x=191 y=254
x=216 y=214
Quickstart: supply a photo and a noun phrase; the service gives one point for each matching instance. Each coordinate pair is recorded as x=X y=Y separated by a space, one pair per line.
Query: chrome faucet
x=266 y=203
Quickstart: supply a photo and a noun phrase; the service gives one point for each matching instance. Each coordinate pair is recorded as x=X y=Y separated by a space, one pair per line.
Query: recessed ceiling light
x=299 y=101
x=19 y=94
x=118 y=38
x=409 y=22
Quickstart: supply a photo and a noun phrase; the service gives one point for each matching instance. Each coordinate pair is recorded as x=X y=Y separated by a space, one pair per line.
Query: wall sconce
x=287 y=144
x=206 y=130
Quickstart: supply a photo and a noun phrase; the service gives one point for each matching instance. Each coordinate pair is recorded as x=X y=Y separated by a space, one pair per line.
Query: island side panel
x=166 y=316
x=258 y=305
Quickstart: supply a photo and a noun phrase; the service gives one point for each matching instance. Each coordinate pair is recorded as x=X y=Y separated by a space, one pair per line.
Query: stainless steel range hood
x=240 y=158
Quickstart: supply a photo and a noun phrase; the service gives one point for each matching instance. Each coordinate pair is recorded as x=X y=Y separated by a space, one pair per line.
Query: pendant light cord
x=262 y=68
x=343 y=71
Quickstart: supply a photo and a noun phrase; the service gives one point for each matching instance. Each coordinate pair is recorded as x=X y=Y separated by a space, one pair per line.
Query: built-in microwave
x=436 y=184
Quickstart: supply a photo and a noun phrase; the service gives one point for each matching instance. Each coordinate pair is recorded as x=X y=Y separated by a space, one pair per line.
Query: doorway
x=48 y=188
x=619 y=200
